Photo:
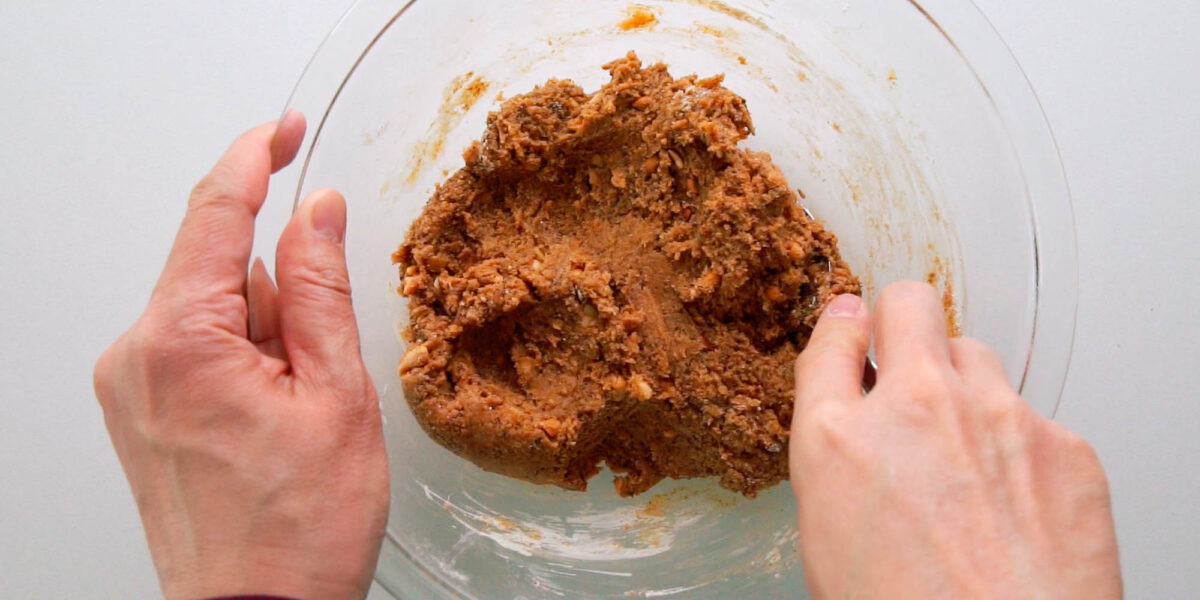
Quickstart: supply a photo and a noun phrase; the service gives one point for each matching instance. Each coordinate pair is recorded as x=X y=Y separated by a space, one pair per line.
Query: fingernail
x=844 y=306
x=253 y=324
x=329 y=217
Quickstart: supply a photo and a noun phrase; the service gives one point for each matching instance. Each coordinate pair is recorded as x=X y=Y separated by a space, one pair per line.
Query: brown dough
x=609 y=279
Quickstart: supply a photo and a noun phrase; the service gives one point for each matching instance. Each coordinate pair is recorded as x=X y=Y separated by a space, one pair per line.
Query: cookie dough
x=610 y=279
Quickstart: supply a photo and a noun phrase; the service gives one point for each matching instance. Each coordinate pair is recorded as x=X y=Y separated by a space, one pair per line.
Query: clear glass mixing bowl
x=910 y=130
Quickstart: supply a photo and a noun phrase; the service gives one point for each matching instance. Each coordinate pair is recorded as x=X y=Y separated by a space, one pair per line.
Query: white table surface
x=110 y=111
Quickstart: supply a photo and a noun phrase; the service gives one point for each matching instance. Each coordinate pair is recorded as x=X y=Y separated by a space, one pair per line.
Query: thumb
x=831 y=366
x=316 y=318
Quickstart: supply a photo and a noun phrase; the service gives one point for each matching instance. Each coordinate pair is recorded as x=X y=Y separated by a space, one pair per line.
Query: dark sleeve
x=252 y=597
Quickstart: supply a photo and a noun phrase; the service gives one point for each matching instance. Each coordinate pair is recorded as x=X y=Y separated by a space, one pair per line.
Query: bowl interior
x=869 y=108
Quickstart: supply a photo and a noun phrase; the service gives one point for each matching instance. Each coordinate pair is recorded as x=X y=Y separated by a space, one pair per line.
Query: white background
x=109 y=111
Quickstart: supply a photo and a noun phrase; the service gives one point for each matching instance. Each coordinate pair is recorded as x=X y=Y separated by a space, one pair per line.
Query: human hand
x=941 y=482
x=243 y=415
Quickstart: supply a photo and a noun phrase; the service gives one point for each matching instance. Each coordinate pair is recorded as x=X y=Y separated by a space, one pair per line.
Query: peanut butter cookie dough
x=610 y=279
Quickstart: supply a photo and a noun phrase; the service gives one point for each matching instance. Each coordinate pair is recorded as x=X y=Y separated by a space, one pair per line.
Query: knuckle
x=328 y=277
x=159 y=346
x=927 y=375
x=832 y=433
x=211 y=189
x=850 y=344
x=350 y=398
x=1089 y=465
x=221 y=189
x=1079 y=455
x=150 y=348
x=924 y=390
x=822 y=423
x=149 y=338
x=974 y=353
x=828 y=348
x=103 y=376
x=1078 y=447
x=1001 y=408
x=970 y=346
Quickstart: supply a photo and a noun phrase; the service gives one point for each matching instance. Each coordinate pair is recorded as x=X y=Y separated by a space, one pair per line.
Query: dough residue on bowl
x=610 y=279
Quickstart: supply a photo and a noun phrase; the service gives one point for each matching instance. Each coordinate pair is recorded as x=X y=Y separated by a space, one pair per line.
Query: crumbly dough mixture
x=610 y=279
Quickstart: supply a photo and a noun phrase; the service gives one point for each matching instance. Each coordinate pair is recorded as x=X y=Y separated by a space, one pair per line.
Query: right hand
x=941 y=482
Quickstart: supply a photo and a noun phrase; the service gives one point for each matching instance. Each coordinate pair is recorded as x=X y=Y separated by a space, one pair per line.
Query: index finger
x=831 y=365
x=212 y=248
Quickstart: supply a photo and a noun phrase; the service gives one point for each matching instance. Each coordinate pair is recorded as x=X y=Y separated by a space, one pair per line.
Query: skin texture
x=941 y=482
x=241 y=413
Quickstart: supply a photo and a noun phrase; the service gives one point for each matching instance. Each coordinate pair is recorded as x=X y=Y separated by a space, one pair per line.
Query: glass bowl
x=909 y=129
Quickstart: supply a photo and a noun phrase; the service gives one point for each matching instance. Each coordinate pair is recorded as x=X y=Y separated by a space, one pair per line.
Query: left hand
x=242 y=415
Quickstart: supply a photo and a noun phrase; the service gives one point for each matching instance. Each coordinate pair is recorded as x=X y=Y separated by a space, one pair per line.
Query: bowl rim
x=998 y=74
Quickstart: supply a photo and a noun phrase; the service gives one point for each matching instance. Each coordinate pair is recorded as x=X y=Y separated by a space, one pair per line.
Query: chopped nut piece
x=675 y=159
x=526 y=367
x=615 y=382
x=411 y=285
x=416 y=356
x=794 y=250
x=551 y=426
x=640 y=388
x=650 y=164
x=709 y=280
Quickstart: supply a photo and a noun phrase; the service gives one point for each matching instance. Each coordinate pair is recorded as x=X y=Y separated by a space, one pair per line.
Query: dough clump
x=610 y=279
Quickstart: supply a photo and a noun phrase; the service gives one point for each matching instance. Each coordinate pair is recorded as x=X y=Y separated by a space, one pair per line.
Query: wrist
x=235 y=577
